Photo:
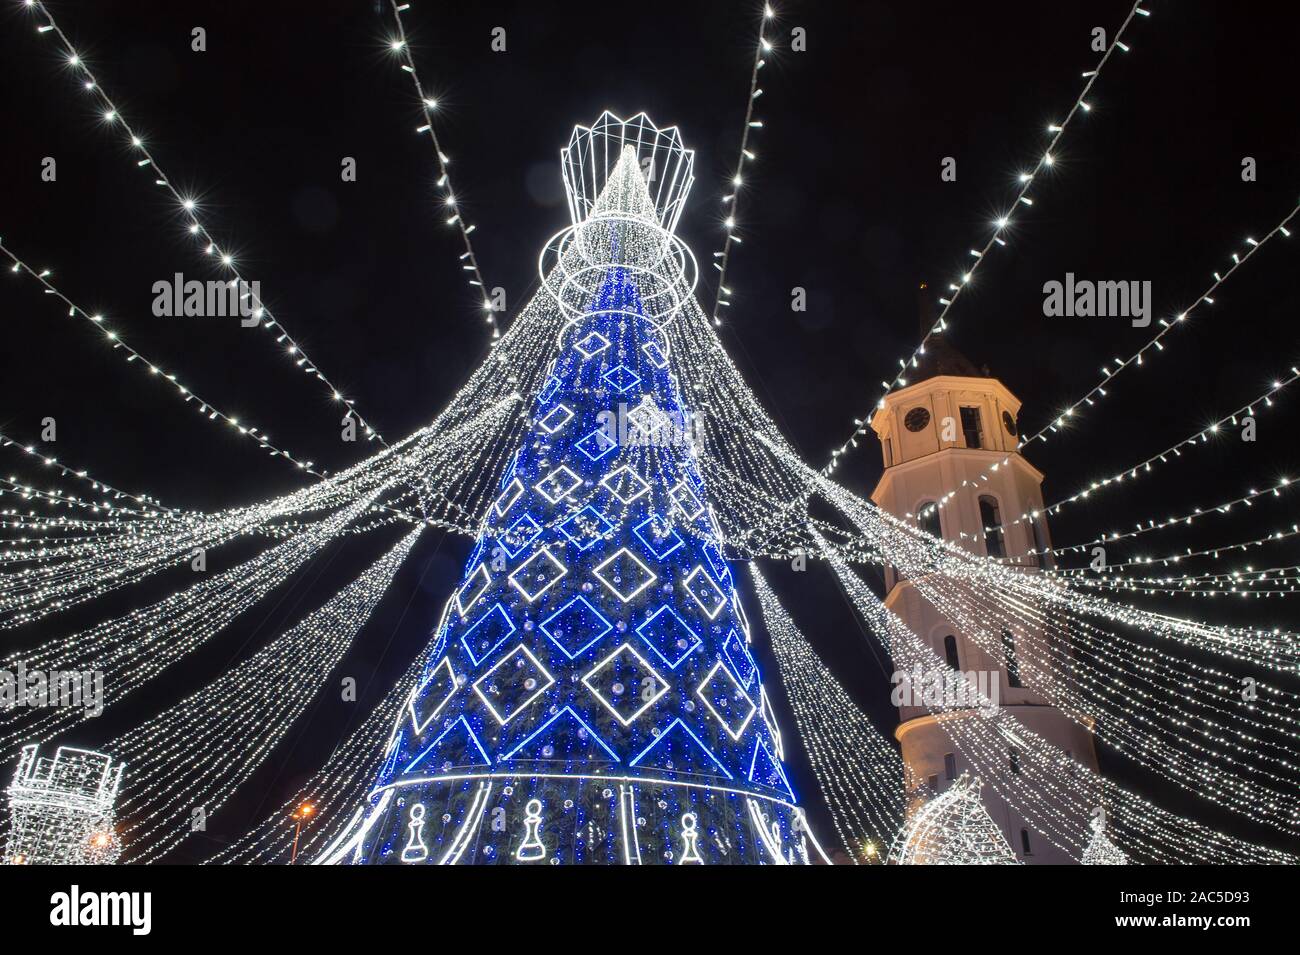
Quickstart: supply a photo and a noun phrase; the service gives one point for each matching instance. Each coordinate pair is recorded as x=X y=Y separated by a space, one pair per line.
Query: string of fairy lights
x=1154 y=345
x=189 y=209
x=342 y=782
x=401 y=48
x=1291 y=530
x=1000 y=232
x=1146 y=466
x=131 y=355
x=860 y=770
x=148 y=501
x=898 y=543
x=1185 y=518
x=241 y=717
x=1172 y=712
x=1047 y=787
x=731 y=200
x=1218 y=754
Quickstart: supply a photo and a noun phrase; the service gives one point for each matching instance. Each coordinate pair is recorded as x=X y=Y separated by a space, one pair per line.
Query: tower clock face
x=916 y=419
x=1009 y=423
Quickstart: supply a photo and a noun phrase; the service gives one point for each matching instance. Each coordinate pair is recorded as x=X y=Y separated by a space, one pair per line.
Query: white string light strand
x=1098 y=391
x=205 y=408
x=147 y=500
x=1185 y=519
x=468 y=259
x=190 y=213
x=737 y=181
x=1160 y=457
x=1000 y=227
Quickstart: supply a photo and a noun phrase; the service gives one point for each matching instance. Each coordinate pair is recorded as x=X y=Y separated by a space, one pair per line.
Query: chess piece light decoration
x=416 y=850
x=953 y=828
x=690 y=838
x=598 y=630
x=532 y=849
x=61 y=808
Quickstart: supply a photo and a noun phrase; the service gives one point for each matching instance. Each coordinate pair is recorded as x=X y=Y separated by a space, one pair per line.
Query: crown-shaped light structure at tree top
x=594 y=152
x=591 y=694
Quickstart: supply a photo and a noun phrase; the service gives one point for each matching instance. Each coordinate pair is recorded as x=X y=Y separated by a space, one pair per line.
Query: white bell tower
x=951 y=425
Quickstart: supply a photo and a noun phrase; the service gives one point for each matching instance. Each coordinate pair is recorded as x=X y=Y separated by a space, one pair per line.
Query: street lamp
x=300 y=815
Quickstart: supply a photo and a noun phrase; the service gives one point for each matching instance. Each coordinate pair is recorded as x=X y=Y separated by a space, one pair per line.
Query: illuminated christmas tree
x=1100 y=850
x=592 y=695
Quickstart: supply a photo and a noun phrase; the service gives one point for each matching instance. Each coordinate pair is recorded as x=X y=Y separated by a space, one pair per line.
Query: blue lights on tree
x=591 y=696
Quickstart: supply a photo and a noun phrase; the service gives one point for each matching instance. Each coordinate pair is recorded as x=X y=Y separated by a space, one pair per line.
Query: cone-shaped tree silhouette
x=592 y=695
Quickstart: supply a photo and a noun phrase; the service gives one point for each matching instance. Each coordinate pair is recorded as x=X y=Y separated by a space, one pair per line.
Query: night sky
x=845 y=200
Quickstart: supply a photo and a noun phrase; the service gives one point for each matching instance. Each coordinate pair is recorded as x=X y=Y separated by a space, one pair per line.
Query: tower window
x=1013 y=760
x=1009 y=652
x=991 y=519
x=1024 y=842
x=927 y=518
x=971 y=429
x=950 y=765
x=889 y=452
x=950 y=651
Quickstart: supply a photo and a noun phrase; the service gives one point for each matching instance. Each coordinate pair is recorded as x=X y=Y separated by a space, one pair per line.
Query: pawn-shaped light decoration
x=532 y=849
x=416 y=850
x=690 y=836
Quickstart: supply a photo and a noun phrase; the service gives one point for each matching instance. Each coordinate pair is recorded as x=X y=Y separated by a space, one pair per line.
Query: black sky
x=845 y=200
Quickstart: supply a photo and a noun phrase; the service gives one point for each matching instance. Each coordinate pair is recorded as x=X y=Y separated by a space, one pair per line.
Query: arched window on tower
x=1024 y=842
x=971 y=428
x=991 y=519
x=950 y=652
x=927 y=518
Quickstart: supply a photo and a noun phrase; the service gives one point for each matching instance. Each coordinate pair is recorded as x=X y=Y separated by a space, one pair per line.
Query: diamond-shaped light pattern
x=555 y=419
x=725 y=699
x=668 y=635
x=597 y=445
x=626 y=683
x=519 y=535
x=513 y=684
x=625 y=574
x=621 y=378
x=707 y=595
x=576 y=626
x=592 y=635
x=586 y=527
x=659 y=536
